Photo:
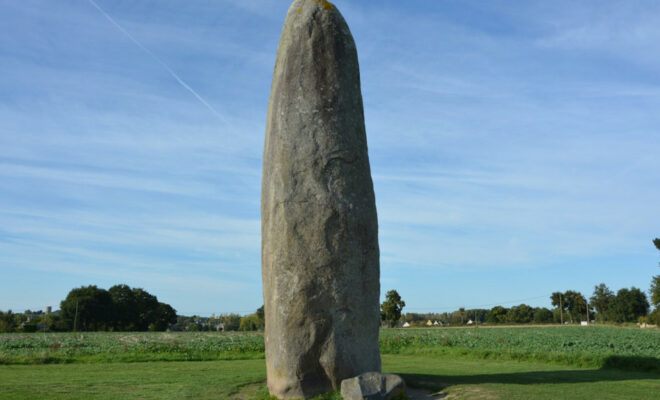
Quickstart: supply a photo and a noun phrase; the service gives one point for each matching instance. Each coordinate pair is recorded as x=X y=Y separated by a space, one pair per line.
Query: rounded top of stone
x=305 y=16
x=298 y=5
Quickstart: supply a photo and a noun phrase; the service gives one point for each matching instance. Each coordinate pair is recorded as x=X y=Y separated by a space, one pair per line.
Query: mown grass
x=153 y=380
x=460 y=378
x=594 y=347
x=457 y=378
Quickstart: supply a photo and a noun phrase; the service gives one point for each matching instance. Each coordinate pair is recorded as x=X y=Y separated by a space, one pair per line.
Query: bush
x=232 y=321
x=249 y=323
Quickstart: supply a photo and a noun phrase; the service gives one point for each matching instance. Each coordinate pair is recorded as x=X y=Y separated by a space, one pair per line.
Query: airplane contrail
x=160 y=61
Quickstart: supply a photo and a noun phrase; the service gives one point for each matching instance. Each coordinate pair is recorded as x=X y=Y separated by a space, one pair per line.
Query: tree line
x=122 y=308
x=626 y=305
x=222 y=322
x=520 y=314
x=90 y=308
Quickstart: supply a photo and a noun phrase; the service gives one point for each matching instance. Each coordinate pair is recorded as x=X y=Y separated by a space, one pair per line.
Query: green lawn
x=458 y=378
x=148 y=380
x=494 y=379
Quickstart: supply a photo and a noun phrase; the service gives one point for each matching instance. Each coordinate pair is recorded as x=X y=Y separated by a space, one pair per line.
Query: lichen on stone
x=325 y=4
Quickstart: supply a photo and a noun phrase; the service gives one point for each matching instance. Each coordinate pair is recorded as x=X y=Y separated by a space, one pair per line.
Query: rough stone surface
x=320 y=256
x=373 y=386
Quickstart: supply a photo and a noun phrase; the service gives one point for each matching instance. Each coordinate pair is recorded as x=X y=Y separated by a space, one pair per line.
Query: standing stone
x=320 y=257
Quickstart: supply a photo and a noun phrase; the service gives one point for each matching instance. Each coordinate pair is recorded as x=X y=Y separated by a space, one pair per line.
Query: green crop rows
x=595 y=340
x=581 y=346
x=126 y=347
x=592 y=346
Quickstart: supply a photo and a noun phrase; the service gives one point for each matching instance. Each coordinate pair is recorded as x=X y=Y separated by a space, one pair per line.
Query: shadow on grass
x=439 y=382
x=633 y=363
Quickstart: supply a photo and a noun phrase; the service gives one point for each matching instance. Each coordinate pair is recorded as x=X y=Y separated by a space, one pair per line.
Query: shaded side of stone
x=320 y=256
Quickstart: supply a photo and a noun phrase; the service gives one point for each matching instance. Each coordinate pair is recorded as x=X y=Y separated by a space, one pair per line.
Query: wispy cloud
x=160 y=61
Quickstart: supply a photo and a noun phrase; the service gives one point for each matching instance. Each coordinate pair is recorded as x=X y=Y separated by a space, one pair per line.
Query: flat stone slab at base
x=373 y=386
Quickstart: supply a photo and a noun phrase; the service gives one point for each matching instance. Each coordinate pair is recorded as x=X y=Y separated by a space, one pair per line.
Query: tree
x=392 y=307
x=138 y=310
x=232 y=321
x=163 y=317
x=249 y=323
x=542 y=315
x=629 y=305
x=146 y=307
x=7 y=321
x=120 y=308
x=87 y=308
x=126 y=315
x=520 y=314
x=478 y=315
x=601 y=300
x=497 y=315
x=262 y=317
x=252 y=322
x=655 y=291
x=655 y=283
x=571 y=302
x=413 y=318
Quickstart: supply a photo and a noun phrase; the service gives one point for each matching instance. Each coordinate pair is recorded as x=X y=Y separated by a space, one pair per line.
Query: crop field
x=463 y=363
x=579 y=346
x=571 y=345
x=40 y=348
x=596 y=340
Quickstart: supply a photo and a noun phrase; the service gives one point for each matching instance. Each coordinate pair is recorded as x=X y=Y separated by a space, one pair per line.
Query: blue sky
x=514 y=147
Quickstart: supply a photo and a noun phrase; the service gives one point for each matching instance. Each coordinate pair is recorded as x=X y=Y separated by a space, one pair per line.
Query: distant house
x=470 y=322
x=406 y=325
x=584 y=323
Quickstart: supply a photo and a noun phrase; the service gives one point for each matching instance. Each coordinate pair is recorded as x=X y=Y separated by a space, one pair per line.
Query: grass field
x=243 y=379
x=465 y=363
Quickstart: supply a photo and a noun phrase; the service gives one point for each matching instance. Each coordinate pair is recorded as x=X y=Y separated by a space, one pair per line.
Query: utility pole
x=561 y=310
x=588 y=311
x=75 y=318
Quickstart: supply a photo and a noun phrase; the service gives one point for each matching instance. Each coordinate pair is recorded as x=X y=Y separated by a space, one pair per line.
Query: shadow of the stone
x=633 y=363
x=439 y=382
